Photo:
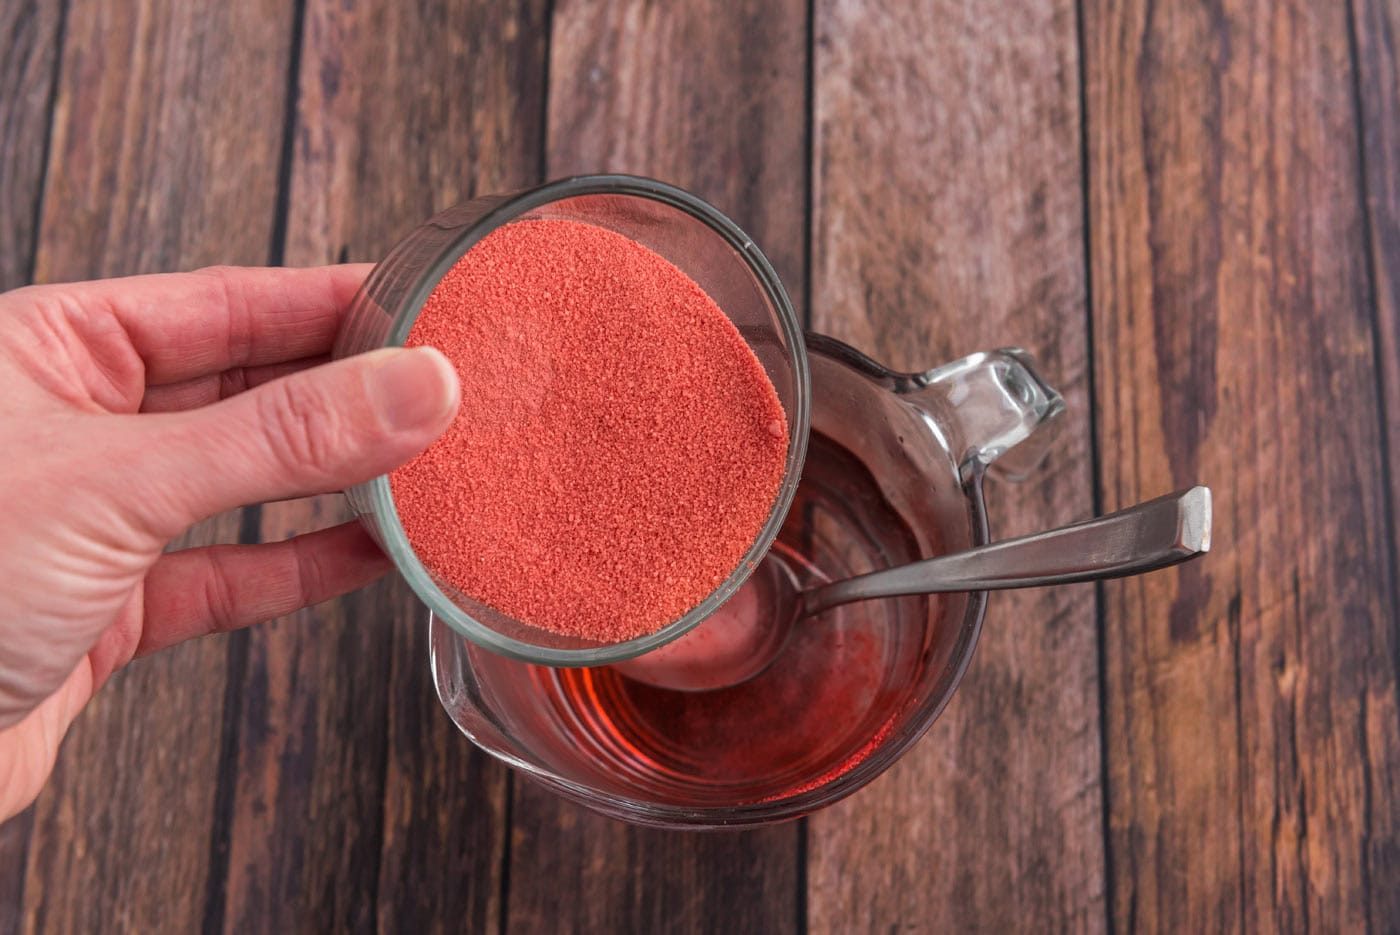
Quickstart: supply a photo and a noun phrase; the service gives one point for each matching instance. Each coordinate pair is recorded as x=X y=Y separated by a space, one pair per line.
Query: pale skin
x=132 y=408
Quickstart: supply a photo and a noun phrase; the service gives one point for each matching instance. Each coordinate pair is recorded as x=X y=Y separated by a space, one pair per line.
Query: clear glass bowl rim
x=507 y=209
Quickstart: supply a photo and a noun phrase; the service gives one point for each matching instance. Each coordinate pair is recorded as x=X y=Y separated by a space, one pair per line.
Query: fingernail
x=412 y=388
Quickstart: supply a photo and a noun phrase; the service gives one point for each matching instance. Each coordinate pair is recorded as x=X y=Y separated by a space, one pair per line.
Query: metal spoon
x=743 y=637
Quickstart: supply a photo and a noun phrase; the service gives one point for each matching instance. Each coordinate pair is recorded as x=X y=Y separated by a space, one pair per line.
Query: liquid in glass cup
x=893 y=474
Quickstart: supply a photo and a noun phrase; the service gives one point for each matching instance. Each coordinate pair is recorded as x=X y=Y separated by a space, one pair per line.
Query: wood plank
x=1376 y=27
x=573 y=871
x=164 y=152
x=1253 y=762
x=947 y=219
x=707 y=95
x=361 y=802
x=29 y=41
x=29 y=38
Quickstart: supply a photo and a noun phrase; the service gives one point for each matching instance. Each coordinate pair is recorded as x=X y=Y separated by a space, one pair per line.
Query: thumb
x=318 y=430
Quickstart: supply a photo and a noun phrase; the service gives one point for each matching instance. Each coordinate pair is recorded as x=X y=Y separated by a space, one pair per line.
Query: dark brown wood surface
x=1376 y=38
x=1253 y=757
x=1189 y=212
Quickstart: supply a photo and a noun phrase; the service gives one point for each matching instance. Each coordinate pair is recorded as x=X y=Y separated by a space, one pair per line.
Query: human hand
x=130 y=409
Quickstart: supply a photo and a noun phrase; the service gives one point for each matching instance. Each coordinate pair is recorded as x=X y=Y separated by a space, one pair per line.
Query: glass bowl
x=690 y=233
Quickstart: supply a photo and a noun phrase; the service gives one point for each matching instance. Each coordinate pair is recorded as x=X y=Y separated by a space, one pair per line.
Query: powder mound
x=618 y=448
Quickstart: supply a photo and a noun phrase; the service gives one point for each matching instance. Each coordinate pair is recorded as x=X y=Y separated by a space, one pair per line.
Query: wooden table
x=1189 y=211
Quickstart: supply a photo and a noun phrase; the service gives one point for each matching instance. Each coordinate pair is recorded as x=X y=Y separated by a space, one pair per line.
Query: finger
x=224 y=587
x=203 y=391
x=319 y=430
x=186 y=325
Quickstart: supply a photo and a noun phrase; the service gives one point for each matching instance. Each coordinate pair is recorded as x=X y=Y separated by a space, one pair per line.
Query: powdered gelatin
x=619 y=446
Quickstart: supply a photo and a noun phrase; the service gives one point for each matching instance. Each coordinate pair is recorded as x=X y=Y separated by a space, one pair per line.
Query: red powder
x=618 y=448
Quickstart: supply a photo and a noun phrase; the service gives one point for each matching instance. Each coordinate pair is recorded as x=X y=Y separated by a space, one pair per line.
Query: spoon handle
x=1145 y=537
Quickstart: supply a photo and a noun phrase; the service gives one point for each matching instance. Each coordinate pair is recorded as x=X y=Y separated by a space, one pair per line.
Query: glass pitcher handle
x=1001 y=413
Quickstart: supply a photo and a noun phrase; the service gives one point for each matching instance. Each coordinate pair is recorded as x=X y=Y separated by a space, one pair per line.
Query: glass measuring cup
x=685 y=230
x=893 y=474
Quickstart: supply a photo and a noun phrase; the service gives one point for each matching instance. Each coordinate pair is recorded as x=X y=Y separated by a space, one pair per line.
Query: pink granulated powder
x=618 y=448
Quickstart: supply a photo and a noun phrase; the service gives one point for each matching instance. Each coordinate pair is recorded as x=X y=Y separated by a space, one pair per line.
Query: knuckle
x=297 y=423
x=220 y=605
x=232 y=382
x=239 y=315
x=310 y=579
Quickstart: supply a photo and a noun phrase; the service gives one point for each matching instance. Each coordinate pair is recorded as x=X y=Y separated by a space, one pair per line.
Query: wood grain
x=1253 y=757
x=29 y=42
x=1376 y=31
x=572 y=871
x=29 y=38
x=947 y=220
x=166 y=126
x=358 y=802
x=704 y=94
x=707 y=95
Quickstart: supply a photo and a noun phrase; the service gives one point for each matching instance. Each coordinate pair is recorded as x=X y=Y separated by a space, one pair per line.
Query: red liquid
x=826 y=703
